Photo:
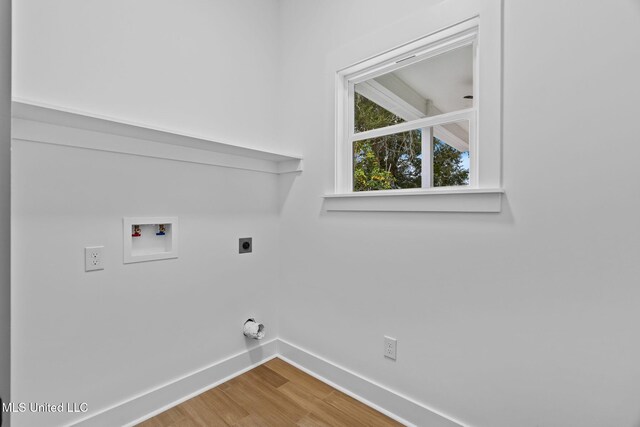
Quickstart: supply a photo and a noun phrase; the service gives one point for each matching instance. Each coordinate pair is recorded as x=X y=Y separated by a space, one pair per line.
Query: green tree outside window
x=395 y=161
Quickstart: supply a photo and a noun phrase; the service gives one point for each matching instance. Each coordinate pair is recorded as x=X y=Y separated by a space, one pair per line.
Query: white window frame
x=459 y=36
x=483 y=194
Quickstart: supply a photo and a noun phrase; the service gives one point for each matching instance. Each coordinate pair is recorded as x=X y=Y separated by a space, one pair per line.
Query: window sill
x=445 y=200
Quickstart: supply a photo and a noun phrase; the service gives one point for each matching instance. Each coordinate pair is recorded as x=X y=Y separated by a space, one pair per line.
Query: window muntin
x=412 y=119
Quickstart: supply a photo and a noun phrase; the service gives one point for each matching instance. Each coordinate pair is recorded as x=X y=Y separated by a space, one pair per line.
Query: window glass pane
x=451 y=154
x=368 y=115
x=433 y=86
x=388 y=162
x=396 y=161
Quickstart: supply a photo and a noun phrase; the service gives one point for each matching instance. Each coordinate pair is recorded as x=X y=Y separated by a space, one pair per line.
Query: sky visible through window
x=465 y=160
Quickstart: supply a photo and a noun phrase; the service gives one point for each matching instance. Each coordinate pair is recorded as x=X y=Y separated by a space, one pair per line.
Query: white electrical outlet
x=390 y=347
x=93 y=258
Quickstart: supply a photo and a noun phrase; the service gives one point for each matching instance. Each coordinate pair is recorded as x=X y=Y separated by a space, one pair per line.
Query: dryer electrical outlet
x=245 y=245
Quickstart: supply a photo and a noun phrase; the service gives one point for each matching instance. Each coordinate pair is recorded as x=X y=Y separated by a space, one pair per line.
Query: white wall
x=107 y=336
x=203 y=67
x=524 y=318
x=5 y=199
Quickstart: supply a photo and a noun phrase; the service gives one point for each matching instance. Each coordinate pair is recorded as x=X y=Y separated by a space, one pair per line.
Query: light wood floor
x=275 y=395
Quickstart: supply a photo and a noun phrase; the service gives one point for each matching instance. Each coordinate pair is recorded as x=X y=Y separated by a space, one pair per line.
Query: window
x=408 y=120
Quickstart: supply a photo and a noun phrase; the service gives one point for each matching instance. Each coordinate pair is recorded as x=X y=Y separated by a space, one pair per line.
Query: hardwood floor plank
x=187 y=422
x=335 y=417
x=312 y=421
x=270 y=376
x=254 y=420
x=201 y=414
x=166 y=418
x=300 y=395
x=274 y=394
x=273 y=397
x=315 y=386
x=254 y=402
x=226 y=408
x=329 y=415
x=359 y=410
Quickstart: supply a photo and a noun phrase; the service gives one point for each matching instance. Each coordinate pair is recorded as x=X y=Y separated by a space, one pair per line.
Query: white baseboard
x=380 y=398
x=146 y=405
x=390 y=403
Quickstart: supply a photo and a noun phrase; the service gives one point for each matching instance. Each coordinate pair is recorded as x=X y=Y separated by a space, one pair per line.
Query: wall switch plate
x=245 y=246
x=390 y=347
x=93 y=259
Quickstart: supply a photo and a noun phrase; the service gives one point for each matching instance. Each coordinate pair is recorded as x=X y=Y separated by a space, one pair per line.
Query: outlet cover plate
x=390 y=348
x=93 y=258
